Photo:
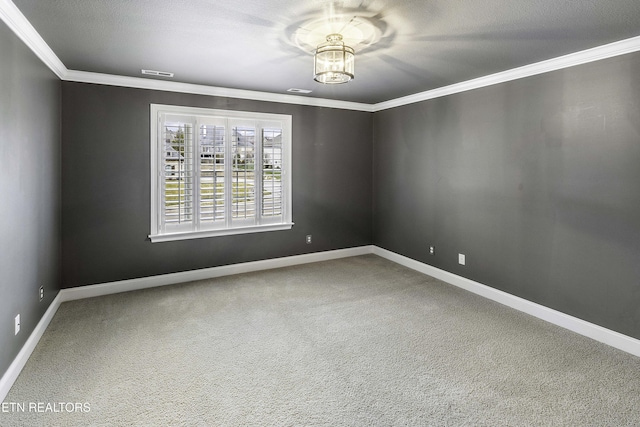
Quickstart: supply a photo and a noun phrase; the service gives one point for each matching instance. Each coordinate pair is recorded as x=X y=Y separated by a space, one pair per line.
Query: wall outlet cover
x=461 y=259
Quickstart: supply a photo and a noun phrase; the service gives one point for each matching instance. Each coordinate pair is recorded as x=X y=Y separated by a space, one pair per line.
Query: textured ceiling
x=402 y=46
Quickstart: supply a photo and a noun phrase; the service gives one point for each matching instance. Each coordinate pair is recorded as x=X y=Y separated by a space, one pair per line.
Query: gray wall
x=106 y=186
x=30 y=191
x=536 y=181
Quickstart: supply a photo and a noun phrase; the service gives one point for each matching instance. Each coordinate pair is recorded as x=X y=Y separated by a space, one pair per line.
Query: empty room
x=320 y=213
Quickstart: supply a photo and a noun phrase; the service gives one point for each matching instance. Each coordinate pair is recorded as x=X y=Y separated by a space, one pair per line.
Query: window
x=217 y=172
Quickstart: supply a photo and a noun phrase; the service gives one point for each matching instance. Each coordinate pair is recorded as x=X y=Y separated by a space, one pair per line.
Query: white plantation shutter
x=271 y=172
x=218 y=172
x=178 y=180
x=212 y=174
x=243 y=151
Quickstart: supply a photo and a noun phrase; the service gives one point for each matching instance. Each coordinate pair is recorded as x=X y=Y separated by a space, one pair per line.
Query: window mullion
x=259 y=160
x=228 y=171
x=195 y=198
x=160 y=175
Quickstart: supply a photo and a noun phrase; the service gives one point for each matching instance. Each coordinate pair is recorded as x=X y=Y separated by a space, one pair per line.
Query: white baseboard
x=593 y=331
x=18 y=363
x=207 y=273
x=598 y=333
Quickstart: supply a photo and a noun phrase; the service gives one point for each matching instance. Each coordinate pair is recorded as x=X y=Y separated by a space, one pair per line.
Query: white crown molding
x=590 y=55
x=610 y=50
x=17 y=22
x=169 y=86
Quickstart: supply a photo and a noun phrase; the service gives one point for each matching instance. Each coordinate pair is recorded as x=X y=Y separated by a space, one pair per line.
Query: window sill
x=168 y=237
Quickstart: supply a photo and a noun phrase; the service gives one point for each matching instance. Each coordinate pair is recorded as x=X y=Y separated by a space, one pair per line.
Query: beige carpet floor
x=353 y=342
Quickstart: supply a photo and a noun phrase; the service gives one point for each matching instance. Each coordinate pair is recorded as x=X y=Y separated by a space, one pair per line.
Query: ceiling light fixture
x=334 y=62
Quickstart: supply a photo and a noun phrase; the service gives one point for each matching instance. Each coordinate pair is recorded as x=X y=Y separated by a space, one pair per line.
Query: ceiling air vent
x=157 y=73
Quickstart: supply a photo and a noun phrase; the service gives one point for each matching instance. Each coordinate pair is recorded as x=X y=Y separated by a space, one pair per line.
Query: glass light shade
x=334 y=62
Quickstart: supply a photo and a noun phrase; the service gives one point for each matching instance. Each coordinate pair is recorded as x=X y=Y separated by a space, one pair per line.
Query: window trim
x=156 y=112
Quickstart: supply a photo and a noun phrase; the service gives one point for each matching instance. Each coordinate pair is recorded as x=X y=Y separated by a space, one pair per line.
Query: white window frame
x=160 y=233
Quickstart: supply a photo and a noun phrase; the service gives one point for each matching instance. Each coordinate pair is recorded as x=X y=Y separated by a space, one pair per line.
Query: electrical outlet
x=17 y=324
x=432 y=250
x=461 y=259
x=308 y=239
x=41 y=293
